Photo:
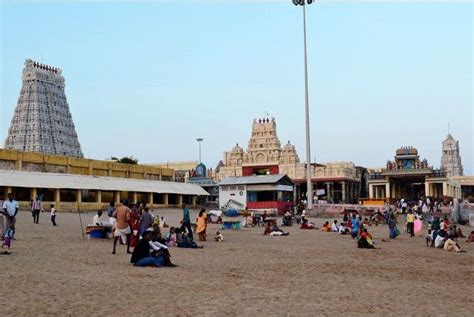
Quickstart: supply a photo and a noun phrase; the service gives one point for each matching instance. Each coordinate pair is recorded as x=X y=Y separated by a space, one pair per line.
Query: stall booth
x=271 y=193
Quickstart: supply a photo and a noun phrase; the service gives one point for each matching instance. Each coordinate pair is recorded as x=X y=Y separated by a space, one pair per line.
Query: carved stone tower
x=42 y=121
x=451 y=159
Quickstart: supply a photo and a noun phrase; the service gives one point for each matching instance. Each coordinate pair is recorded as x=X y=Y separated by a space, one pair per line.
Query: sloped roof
x=71 y=181
x=253 y=180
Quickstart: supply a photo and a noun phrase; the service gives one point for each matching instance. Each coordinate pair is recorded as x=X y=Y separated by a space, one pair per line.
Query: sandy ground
x=53 y=271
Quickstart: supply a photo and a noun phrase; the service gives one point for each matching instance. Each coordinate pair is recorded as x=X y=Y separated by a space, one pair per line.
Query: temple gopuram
x=340 y=182
x=409 y=177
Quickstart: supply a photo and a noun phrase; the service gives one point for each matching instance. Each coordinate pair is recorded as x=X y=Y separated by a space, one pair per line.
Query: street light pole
x=309 y=185
x=200 y=140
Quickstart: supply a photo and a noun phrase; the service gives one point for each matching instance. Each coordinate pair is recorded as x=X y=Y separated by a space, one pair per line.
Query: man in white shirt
x=439 y=241
x=10 y=207
x=96 y=219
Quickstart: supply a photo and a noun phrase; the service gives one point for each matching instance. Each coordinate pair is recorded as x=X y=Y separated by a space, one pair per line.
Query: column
x=328 y=191
x=165 y=200
x=57 y=198
x=393 y=189
x=134 y=197
x=150 y=199
x=371 y=191
x=343 y=190
x=194 y=200
x=99 y=197
x=427 y=189
x=79 y=196
x=117 y=197
x=33 y=193
x=445 y=189
x=180 y=200
x=387 y=191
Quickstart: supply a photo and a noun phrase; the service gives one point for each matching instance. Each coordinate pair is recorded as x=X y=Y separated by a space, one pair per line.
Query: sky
x=146 y=78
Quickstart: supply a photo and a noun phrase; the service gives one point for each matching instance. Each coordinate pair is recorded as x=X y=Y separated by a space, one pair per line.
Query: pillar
x=79 y=196
x=387 y=191
x=165 y=200
x=33 y=193
x=371 y=191
x=57 y=197
x=134 y=197
x=99 y=197
x=150 y=199
x=445 y=189
x=343 y=190
x=180 y=200
x=328 y=190
x=194 y=200
x=117 y=197
x=427 y=189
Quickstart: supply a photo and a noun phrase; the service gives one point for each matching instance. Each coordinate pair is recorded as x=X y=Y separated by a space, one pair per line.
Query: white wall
x=237 y=193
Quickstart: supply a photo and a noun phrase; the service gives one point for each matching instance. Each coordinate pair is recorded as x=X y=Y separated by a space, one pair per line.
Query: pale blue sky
x=146 y=78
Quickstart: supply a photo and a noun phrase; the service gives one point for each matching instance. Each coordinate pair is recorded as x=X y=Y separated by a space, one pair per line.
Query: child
x=171 y=238
x=7 y=239
x=219 y=237
x=53 y=215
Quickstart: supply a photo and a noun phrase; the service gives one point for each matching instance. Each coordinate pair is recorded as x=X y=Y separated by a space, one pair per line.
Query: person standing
x=110 y=213
x=122 y=227
x=411 y=223
x=3 y=228
x=10 y=206
x=36 y=209
x=201 y=225
x=186 y=222
x=53 y=215
x=146 y=220
x=392 y=225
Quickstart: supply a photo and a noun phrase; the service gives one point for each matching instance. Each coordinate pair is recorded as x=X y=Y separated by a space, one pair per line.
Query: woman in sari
x=201 y=225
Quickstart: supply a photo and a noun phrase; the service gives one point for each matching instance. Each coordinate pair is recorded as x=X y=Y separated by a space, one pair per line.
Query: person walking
x=36 y=209
x=122 y=227
x=53 y=215
x=411 y=223
x=186 y=222
x=392 y=225
x=10 y=207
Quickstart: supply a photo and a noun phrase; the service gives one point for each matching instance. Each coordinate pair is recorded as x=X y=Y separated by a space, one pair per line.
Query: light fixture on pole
x=200 y=141
x=309 y=195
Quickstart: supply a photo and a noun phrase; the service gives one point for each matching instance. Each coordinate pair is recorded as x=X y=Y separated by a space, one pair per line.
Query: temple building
x=409 y=177
x=340 y=182
x=451 y=159
x=42 y=121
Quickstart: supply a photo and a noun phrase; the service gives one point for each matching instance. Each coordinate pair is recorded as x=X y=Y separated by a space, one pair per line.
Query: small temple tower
x=451 y=159
x=42 y=121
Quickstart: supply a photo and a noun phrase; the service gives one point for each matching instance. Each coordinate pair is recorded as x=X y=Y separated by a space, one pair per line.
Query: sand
x=53 y=271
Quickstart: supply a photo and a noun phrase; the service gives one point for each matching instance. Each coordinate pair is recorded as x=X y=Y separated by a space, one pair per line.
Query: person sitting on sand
x=430 y=238
x=326 y=227
x=305 y=224
x=183 y=240
x=273 y=230
x=342 y=229
x=459 y=233
x=219 y=237
x=471 y=237
x=365 y=241
x=144 y=255
x=96 y=219
x=440 y=239
x=451 y=245
x=334 y=227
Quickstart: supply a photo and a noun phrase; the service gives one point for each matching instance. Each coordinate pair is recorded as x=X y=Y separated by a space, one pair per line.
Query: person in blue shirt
x=355 y=227
x=186 y=222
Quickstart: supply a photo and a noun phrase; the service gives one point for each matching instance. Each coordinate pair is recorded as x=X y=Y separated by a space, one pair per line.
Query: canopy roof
x=257 y=179
x=72 y=181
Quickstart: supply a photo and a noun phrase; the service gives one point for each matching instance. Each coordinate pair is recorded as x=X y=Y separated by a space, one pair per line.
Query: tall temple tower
x=42 y=121
x=451 y=159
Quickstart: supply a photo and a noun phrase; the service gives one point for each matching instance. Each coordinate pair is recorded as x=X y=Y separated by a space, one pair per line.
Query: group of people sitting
x=445 y=236
x=271 y=229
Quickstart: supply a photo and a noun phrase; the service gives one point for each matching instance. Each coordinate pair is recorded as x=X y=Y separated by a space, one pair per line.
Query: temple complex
x=42 y=121
x=409 y=177
x=451 y=159
x=334 y=182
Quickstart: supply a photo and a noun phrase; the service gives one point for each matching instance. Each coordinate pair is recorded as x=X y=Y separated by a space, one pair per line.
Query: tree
x=125 y=160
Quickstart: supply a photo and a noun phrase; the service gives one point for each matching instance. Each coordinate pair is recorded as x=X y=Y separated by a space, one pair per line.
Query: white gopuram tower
x=451 y=159
x=42 y=121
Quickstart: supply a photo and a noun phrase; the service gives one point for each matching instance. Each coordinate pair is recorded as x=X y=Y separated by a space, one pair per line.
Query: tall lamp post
x=309 y=194
x=200 y=141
